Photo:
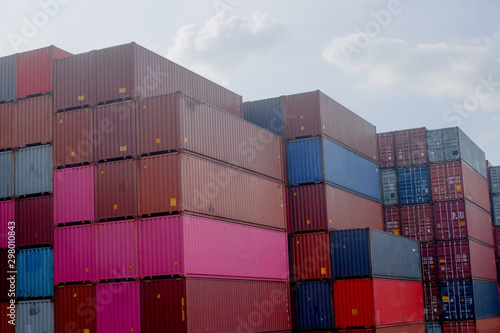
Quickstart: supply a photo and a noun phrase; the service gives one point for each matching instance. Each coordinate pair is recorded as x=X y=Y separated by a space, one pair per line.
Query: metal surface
x=6 y=308
x=310 y=256
x=35 y=316
x=7 y=174
x=490 y=325
x=119 y=305
x=414 y=185
x=34 y=170
x=428 y=255
x=266 y=113
x=34 y=121
x=392 y=220
x=4 y=283
x=495 y=210
x=75 y=309
x=432 y=301
x=7 y=124
x=433 y=328
x=8 y=77
x=412 y=328
x=386 y=153
x=496 y=234
x=7 y=214
x=34 y=221
x=411 y=147
x=460 y=327
x=389 y=187
x=417 y=222
x=313 y=305
x=494 y=177
x=35 y=273
x=193 y=246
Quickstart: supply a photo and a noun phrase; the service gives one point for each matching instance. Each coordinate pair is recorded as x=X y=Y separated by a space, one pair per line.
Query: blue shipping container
x=495 y=209
x=433 y=328
x=313 y=305
x=34 y=170
x=6 y=174
x=35 y=316
x=414 y=185
x=320 y=160
x=8 y=78
x=35 y=273
x=495 y=180
x=373 y=253
x=266 y=113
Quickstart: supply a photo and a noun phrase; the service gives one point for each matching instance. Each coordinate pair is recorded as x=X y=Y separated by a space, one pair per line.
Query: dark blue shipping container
x=486 y=299
x=35 y=273
x=266 y=113
x=313 y=305
x=495 y=209
x=8 y=78
x=495 y=180
x=320 y=160
x=414 y=185
x=6 y=174
x=373 y=253
x=433 y=328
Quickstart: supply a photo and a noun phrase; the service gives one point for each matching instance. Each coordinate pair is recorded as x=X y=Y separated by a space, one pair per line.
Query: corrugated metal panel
x=74 y=254
x=4 y=283
x=74 y=194
x=311 y=256
x=392 y=220
x=495 y=210
x=35 y=317
x=490 y=325
x=8 y=77
x=412 y=328
x=34 y=121
x=496 y=235
x=417 y=222
x=35 y=273
x=432 y=301
x=433 y=328
x=313 y=304
x=414 y=185
x=266 y=113
x=389 y=187
x=305 y=162
x=7 y=124
x=117 y=250
x=386 y=154
x=34 y=170
x=74 y=137
x=6 y=174
x=411 y=147
x=459 y=327
x=6 y=215
x=34 y=221
x=120 y=307
x=7 y=313
x=494 y=179
x=485 y=299
x=428 y=255
x=75 y=309
x=194 y=246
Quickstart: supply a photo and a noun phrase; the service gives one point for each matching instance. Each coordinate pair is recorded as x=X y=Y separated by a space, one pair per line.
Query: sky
x=397 y=63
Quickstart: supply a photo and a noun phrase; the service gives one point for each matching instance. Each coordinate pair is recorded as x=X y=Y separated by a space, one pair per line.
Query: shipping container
x=413 y=328
x=35 y=273
x=6 y=266
x=430 y=267
x=7 y=214
x=116 y=189
x=386 y=153
x=377 y=302
x=392 y=220
x=74 y=254
x=496 y=232
x=191 y=246
x=118 y=307
x=417 y=222
x=319 y=159
x=75 y=309
x=35 y=316
x=491 y=325
x=7 y=174
x=494 y=173
x=8 y=77
x=389 y=187
x=460 y=220
x=373 y=253
x=74 y=196
x=414 y=185
x=323 y=207
x=455 y=181
x=8 y=315
x=185 y=183
x=495 y=210
x=214 y=306
x=34 y=221
x=313 y=305
x=7 y=123
x=266 y=113
x=432 y=301
x=459 y=327
x=411 y=147
x=433 y=328
x=177 y=122
x=74 y=136
x=310 y=256
x=34 y=170
x=117 y=250
x=34 y=121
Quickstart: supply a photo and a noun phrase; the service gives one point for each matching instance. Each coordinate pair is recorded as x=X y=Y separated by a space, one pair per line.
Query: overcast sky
x=398 y=64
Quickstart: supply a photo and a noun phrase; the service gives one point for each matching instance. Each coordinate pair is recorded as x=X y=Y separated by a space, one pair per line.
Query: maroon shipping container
x=5 y=310
x=116 y=189
x=214 y=305
x=432 y=301
x=392 y=220
x=311 y=256
x=460 y=220
x=314 y=113
x=177 y=122
x=186 y=183
x=74 y=136
x=497 y=240
x=386 y=156
x=119 y=137
x=75 y=309
x=34 y=221
x=323 y=207
x=34 y=121
x=460 y=327
x=465 y=260
x=411 y=147
x=456 y=180
x=428 y=256
x=4 y=283
x=34 y=70
x=417 y=222
x=415 y=328
x=7 y=125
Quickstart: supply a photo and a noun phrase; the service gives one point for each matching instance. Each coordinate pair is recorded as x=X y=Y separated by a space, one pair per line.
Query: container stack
x=494 y=184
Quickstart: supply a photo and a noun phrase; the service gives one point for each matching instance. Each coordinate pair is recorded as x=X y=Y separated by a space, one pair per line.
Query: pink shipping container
x=386 y=157
x=432 y=301
x=392 y=220
x=74 y=195
x=411 y=147
x=34 y=121
x=7 y=126
x=34 y=224
x=74 y=254
x=7 y=214
x=428 y=256
x=311 y=256
x=118 y=307
x=194 y=246
x=117 y=250
x=417 y=222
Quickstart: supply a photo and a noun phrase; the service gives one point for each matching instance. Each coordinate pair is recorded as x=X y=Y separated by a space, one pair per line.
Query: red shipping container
x=74 y=137
x=386 y=156
x=34 y=221
x=455 y=181
x=34 y=70
x=415 y=328
x=417 y=222
x=75 y=309
x=459 y=327
x=428 y=255
x=4 y=283
x=116 y=189
x=377 y=303
x=34 y=121
x=311 y=256
x=460 y=220
x=7 y=214
x=432 y=301
x=497 y=240
x=411 y=147
x=7 y=126
x=186 y=183
x=118 y=307
x=491 y=325
x=323 y=207
x=392 y=220
x=214 y=305
x=7 y=308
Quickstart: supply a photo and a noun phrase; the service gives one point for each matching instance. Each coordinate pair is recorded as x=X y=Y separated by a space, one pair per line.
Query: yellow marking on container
x=74 y=295
x=308 y=222
x=301 y=117
x=144 y=107
x=442 y=260
x=446 y=299
x=324 y=126
x=298 y=242
x=81 y=97
x=459 y=187
x=115 y=207
x=86 y=330
x=301 y=128
x=354 y=312
x=182 y=302
x=309 y=299
x=60 y=121
x=72 y=154
x=344 y=246
x=323 y=270
x=330 y=221
x=158 y=140
x=462 y=223
x=102 y=172
x=122 y=90
x=145 y=166
x=295 y=194
x=158 y=296
x=123 y=148
x=130 y=266
x=186 y=140
x=87 y=270
x=173 y=202
x=132 y=329
x=175 y=263
x=396 y=232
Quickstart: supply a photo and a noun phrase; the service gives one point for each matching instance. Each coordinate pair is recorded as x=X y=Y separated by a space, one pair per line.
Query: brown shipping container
x=432 y=301
x=411 y=147
x=119 y=135
x=116 y=189
x=392 y=220
x=314 y=113
x=491 y=325
x=177 y=122
x=7 y=125
x=214 y=306
x=386 y=156
x=497 y=240
x=417 y=222
x=34 y=221
x=323 y=207
x=74 y=137
x=34 y=120
x=311 y=256
x=75 y=309
x=186 y=183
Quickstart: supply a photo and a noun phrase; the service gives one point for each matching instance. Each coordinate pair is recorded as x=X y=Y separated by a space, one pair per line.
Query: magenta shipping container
x=74 y=195
x=74 y=254
x=428 y=257
x=194 y=246
x=417 y=222
x=7 y=214
x=118 y=307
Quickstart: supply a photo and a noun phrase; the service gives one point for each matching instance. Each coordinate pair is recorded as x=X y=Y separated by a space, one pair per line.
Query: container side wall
x=8 y=77
x=34 y=121
x=311 y=256
x=266 y=113
x=34 y=170
x=7 y=214
x=75 y=309
x=120 y=307
x=34 y=218
x=313 y=305
x=35 y=316
x=35 y=273
x=7 y=124
x=7 y=174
